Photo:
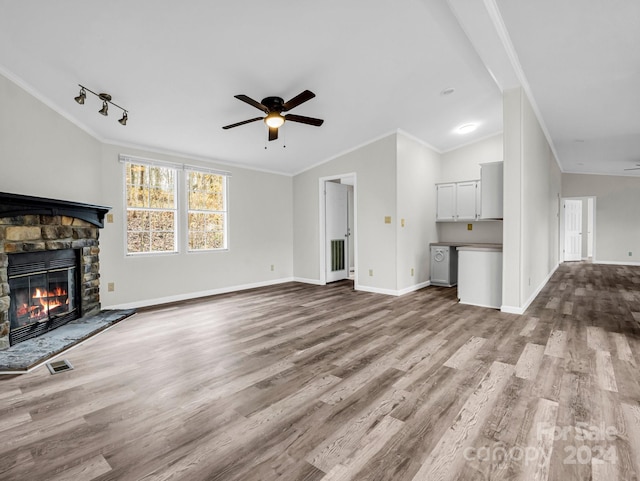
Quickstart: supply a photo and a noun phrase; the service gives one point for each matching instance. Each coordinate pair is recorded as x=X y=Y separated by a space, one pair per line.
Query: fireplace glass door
x=43 y=294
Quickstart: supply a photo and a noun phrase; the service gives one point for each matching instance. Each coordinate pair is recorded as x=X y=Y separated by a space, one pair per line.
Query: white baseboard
x=616 y=263
x=393 y=292
x=480 y=305
x=315 y=282
x=194 y=295
x=377 y=290
x=521 y=310
x=512 y=310
x=413 y=288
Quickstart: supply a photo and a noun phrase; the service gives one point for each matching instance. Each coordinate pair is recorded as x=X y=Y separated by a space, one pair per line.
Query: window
x=207 y=210
x=151 y=208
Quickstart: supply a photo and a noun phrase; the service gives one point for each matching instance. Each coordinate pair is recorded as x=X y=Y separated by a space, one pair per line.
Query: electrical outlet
x=273 y=268
x=371 y=272
x=412 y=272
x=401 y=222
x=387 y=219
x=109 y=218
x=111 y=287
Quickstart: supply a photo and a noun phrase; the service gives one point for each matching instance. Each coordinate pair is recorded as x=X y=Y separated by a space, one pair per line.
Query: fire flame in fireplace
x=46 y=301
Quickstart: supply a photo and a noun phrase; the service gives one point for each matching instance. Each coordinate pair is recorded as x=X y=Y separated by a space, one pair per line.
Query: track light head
x=105 y=108
x=124 y=118
x=80 y=98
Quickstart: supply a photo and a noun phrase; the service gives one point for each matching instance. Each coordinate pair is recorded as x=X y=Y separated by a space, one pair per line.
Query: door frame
x=584 y=228
x=322 y=225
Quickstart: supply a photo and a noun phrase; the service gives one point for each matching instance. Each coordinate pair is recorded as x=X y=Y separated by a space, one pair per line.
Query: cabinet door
x=446 y=202
x=466 y=196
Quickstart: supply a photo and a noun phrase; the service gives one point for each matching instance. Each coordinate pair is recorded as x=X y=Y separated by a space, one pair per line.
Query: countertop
x=476 y=245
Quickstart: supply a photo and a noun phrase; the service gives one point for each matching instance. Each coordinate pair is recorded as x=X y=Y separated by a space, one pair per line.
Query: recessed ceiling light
x=466 y=128
x=448 y=91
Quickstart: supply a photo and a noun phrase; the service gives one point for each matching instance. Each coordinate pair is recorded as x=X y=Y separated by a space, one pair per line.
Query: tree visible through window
x=151 y=208
x=207 y=217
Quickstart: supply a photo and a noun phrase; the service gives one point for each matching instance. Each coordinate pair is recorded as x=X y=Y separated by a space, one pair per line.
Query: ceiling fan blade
x=273 y=133
x=298 y=99
x=304 y=120
x=253 y=103
x=242 y=123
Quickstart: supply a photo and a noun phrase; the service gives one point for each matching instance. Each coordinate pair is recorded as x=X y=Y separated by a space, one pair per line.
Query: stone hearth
x=29 y=224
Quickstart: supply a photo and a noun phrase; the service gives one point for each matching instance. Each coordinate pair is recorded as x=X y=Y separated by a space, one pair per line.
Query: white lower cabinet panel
x=480 y=276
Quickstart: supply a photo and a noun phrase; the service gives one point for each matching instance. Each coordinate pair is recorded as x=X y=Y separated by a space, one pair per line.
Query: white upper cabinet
x=466 y=200
x=492 y=190
x=446 y=202
x=458 y=201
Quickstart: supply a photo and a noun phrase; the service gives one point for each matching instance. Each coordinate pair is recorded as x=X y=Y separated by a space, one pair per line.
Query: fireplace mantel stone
x=29 y=224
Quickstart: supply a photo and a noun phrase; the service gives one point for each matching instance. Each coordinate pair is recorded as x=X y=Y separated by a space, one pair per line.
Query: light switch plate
x=469 y=226
x=387 y=219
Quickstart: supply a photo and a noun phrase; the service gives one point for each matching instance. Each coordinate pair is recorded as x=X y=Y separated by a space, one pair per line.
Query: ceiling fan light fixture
x=274 y=120
x=273 y=107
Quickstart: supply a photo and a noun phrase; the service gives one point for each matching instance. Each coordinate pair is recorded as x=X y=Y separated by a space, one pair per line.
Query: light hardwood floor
x=299 y=382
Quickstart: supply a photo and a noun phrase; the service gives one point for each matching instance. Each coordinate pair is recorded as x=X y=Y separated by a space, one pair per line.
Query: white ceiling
x=375 y=65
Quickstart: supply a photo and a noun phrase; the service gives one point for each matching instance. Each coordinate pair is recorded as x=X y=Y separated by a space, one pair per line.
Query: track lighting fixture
x=105 y=108
x=106 y=100
x=80 y=98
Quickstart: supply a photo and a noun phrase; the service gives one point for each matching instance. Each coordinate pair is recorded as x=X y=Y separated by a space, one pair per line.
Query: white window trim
x=182 y=205
x=225 y=175
x=148 y=162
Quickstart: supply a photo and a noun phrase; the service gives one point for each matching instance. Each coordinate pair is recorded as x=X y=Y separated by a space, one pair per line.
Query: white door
x=337 y=231
x=572 y=230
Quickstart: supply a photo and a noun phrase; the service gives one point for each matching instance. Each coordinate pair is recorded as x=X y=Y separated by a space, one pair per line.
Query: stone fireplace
x=49 y=264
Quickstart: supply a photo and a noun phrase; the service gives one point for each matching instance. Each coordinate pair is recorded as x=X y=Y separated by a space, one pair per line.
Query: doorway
x=338 y=246
x=577 y=229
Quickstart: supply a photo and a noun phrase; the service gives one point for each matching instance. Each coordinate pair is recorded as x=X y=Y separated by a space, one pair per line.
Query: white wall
x=375 y=168
x=418 y=171
x=42 y=153
x=395 y=177
x=617 y=217
x=260 y=235
x=464 y=164
x=45 y=155
x=532 y=191
x=482 y=232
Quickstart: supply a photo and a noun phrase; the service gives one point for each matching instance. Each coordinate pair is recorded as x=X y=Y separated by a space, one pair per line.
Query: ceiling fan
x=273 y=107
x=637 y=167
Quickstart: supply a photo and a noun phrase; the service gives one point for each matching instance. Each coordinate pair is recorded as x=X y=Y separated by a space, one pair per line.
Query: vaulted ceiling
x=375 y=66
